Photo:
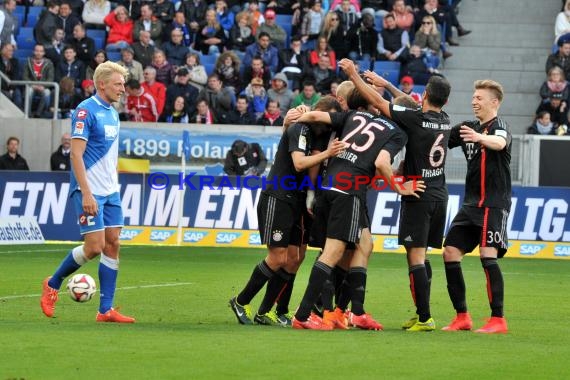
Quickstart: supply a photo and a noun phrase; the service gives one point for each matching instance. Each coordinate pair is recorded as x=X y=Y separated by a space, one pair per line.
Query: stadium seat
x=390 y=75
x=283 y=20
x=379 y=23
x=363 y=65
x=25 y=39
x=114 y=56
x=96 y=33
x=309 y=45
x=20 y=10
x=99 y=43
x=419 y=88
x=23 y=53
x=208 y=58
x=209 y=67
x=386 y=65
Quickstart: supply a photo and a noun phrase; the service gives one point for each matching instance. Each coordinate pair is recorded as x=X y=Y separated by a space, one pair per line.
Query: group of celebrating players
x=356 y=135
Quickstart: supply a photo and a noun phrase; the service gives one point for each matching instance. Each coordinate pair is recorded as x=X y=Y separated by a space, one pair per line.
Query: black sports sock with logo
x=275 y=286
x=319 y=274
x=419 y=286
x=357 y=279
x=260 y=275
x=456 y=285
x=285 y=297
x=495 y=285
x=339 y=276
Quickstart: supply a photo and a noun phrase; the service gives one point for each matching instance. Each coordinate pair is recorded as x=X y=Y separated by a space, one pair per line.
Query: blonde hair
x=431 y=19
x=344 y=89
x=491 y=85
x=104 y=71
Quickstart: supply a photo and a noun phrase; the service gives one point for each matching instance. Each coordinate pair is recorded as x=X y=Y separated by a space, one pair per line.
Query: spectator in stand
x=276 y=33
x=374 y=7
x=175 y=49
x=428 y=39
x=164 y=11
x=416 y=67
x=12 y=160
x=245 y=159
x=211 y=38
x=542 y=125
x=556 y=82
x=348 y=18
x=444 y=17
x=562 y=24
x=69 y=98
x=557 y=107
x=561 y=58
x=272 y=115
x=47 y=24
x=322 y=49
x=312 y=22
x=141 y=106
x=181 y=87
x=120 y=33
x=128 y=61
x=334 y=86
x=39 y=69
x=309 y=96
x=179 y=22
x=194 y=13
x=257 y=69
x=88 y=89
x=262 y=48
x=322 y=75
x=70 y=67
x=404 y=15
x=178 y=113
x=84 y=46
x=11 y=67
x=54 y=51
x=67 y=20
x=99 y=57
x=255 y=17
x=392 y=41
x=407 y=87
x=334 y=35
x=241 y=34
x=280 y=92
x=164 y=70
x=144 y=49
x=353 y=5
x=256 y=96
x=225 y=16
x=59 y=160
x=228 y=68
x=299 y=14
x=241 y=115
x=363 y=39
x=203 y=114
x=133 y=8
x=8 y=23
x=220 y=100
x=156 y=89
x=149 y=23
x=94 y=13
x=76 y=7
x=294 y=63
x=198 y=75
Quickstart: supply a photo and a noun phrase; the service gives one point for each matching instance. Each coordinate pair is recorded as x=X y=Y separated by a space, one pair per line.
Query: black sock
x=419 y=286
x=345 y=294
x=285 y=297
x=339 y=276
x=428 y=271
x=327 y=294
x=275 y=286
x=261 y=274
x=495 y=285
x=319 y=274
x=357 y=280
x=456 y=286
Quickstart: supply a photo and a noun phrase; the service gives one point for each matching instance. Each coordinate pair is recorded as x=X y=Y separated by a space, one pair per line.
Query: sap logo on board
x=194 y=236
x=391 y=243
x=562 y=250
x=254 y=239
x=226 y=237
x=531 y=249
x=160 y=235
x=128 y=234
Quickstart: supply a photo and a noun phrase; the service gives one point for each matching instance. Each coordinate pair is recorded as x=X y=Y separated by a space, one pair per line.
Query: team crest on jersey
x=110 y=132
x=82 y=114
x=302 y=142
x=277 y=235
x=78 y=128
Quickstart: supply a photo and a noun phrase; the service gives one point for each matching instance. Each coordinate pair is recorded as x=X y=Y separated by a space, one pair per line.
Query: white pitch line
x=48 y=250
x=122 y=288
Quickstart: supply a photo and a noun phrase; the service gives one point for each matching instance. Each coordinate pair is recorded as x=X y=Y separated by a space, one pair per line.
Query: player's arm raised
x=302 y=162
x=493 y=142
x=77 y=149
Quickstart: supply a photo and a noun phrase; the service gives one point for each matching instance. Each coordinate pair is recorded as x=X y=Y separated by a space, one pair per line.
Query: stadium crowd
x=216 y=55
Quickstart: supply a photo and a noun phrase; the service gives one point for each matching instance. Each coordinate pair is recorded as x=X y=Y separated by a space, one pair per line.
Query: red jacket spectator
x=119 y=30
x=158 y=92
x=141 y=106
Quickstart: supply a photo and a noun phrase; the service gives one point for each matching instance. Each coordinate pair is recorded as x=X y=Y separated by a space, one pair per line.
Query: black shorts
x=483 y=226
x=338 y=216
x=279 y=222
x=422 y=224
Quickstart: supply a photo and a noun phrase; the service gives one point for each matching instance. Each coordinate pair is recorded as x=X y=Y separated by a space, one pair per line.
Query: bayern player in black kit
x=349 y=173
x=422 y=220
x=482 y=220
x=280 y=218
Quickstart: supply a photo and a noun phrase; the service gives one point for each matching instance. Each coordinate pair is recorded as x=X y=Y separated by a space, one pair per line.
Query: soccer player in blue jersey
x=94 y=190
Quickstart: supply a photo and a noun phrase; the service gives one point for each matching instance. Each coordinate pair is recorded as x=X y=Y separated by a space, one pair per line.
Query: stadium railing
x=27 y=97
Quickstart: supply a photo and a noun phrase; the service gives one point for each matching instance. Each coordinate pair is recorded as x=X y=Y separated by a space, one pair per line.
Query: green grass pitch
x=185 y=329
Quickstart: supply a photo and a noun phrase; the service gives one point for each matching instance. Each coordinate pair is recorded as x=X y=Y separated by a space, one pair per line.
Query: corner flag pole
x=182 y=191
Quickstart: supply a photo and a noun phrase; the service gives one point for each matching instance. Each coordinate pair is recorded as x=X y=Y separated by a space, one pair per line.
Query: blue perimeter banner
x=538 y=215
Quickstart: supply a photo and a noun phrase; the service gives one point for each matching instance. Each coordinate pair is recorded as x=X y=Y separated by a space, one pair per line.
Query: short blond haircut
x=344 y=89
x=491 y=85
x=104 y=71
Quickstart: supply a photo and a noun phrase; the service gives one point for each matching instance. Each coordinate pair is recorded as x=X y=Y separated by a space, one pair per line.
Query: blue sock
x=108 y=271
x=73 y=261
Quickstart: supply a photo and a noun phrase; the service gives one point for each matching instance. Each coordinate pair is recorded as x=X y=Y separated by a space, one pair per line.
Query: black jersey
x=488 y=180
x=367 y=134
x=428 y=135
x=283 y=181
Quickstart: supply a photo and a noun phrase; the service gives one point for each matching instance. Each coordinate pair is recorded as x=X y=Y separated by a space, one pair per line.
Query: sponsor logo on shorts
x=161 y=235
x=390 y=243
x=129 y=234
x=562 y=250
x=531 y=249
x=194 y=236
x=277 y=235
x=226 y=237
x=82 y=114
x=254 y=239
